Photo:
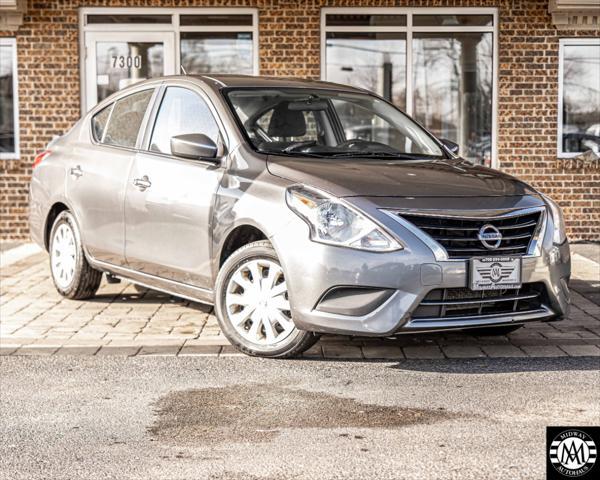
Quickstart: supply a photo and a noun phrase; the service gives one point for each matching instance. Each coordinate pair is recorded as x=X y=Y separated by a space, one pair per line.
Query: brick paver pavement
x=35 y=320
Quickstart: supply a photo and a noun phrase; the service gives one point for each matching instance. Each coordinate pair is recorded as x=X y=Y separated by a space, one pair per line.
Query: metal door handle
x=142 y=183
x=76 y=171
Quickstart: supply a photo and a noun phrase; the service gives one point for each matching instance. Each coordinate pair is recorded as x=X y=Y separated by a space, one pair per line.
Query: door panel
x=97 y=175
x=96 y=191
x=169 y=200
x=168 y=212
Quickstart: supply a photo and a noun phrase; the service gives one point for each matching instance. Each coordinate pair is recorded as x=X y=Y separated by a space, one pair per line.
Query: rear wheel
x=253 y=307
x=72 y=274
x=493 y=331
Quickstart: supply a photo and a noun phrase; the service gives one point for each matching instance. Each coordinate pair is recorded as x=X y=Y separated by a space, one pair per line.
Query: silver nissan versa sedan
x=296 y=208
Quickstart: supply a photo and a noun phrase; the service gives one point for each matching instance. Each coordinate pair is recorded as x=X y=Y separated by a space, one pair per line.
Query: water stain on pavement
x=255 y=413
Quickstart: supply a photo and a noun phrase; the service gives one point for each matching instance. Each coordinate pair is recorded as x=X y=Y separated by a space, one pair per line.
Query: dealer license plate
x=495 y=273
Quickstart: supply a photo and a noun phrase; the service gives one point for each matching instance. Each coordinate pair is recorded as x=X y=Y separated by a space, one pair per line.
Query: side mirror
x=450 y=145
x=195 y=146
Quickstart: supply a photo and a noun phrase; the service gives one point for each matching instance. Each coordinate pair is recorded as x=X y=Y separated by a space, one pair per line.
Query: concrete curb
x=326 y=350
x=17 y=254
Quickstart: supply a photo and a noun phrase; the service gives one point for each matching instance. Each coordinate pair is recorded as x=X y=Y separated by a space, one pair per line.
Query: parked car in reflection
x=575 y=140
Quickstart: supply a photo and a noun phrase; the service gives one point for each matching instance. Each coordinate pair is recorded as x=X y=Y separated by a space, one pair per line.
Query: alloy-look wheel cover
x=63 y=255
x=257 y=303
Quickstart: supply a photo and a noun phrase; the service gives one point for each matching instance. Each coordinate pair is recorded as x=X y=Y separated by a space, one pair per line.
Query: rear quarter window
x=99 y=122
x=126 y=119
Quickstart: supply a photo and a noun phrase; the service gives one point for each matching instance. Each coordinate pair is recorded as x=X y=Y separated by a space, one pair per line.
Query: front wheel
x=72 y=274
x=253 y=307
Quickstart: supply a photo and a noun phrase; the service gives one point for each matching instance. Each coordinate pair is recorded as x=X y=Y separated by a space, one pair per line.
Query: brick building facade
x=288 y=37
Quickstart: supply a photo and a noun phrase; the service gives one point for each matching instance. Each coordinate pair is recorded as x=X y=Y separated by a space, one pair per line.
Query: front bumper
x=313 y=269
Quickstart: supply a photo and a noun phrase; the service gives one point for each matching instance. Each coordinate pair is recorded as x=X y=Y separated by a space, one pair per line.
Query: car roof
x=264 y=81
x=219 y=81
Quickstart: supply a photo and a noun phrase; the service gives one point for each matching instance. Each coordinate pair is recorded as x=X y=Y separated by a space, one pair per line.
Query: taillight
x=40 y=157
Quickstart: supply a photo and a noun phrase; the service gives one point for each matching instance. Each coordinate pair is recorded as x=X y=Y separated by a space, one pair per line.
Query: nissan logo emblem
x=490 y=237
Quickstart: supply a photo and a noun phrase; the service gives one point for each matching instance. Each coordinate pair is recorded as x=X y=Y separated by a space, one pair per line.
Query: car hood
x=397 y=178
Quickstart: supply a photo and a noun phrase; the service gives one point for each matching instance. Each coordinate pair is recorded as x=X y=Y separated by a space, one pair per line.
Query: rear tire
x=493 y=331
x=73 y=276
x=252 y=305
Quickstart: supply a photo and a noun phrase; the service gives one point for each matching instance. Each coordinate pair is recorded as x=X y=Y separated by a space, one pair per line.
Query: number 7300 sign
x=127 y=61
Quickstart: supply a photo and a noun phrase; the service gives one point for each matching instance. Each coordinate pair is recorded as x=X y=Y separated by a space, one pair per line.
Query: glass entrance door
x=117 y=60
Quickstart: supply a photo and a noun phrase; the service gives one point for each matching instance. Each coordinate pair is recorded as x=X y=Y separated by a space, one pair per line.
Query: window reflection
x=374 y=61
x=451 y=89
x=452 y=81
x=120 y=64
x=581 y=99
x=7 y=100
x=216 y=52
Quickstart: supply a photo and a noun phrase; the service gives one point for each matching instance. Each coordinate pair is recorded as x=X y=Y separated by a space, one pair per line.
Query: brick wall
x=289 y=39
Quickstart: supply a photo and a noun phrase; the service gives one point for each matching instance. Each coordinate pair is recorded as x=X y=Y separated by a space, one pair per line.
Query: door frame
x=90 y=98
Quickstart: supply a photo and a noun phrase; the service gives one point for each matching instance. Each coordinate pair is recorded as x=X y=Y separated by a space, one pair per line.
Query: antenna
x=183 y=70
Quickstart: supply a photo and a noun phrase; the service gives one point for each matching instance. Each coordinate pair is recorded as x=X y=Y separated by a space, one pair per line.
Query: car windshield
x=326 y=124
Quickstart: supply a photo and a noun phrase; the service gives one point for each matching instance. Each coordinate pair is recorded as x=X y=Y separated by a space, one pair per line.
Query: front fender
x=248 y=195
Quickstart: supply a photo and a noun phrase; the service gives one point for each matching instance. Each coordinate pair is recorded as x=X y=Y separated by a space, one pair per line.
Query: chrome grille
x=459 y=303
x=458 y=235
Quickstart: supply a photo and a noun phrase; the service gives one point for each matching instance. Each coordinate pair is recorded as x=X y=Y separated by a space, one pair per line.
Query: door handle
x=76 y=171
x=142 y=183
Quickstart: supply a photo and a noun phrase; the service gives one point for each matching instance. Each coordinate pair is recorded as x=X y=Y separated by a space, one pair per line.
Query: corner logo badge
x=489 y=236
x=573 y=453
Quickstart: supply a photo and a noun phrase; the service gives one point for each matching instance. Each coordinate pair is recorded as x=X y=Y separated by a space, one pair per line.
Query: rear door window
x=181 y=111
x=99 y=122
x=126 y=119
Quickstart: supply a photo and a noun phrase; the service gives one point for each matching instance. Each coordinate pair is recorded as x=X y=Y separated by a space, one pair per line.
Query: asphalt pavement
x=80 y=417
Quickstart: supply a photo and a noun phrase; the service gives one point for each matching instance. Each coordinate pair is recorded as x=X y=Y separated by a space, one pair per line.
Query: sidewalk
x=35 y=320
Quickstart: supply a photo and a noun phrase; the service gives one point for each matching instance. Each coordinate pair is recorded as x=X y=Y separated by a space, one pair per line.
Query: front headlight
x=334 y=222
x=559 y=234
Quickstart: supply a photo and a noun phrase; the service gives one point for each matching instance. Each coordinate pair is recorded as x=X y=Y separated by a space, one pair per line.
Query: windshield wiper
x=291 y=154
x=402 y=156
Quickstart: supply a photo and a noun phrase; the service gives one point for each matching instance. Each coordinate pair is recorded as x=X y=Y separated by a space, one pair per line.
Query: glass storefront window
x=452 y=20
x=216 y=52
x=435 y=64
x=215 y=20
x=128 y=19
x=579 y=123
x=452 y=89
x=123 y=46
x=9 y=143
x=375 y=61
x=365 y=20
x=120 y=64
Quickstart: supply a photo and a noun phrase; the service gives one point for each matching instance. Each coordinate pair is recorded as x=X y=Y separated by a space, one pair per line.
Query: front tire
x=252 y=304
x=73 y=276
